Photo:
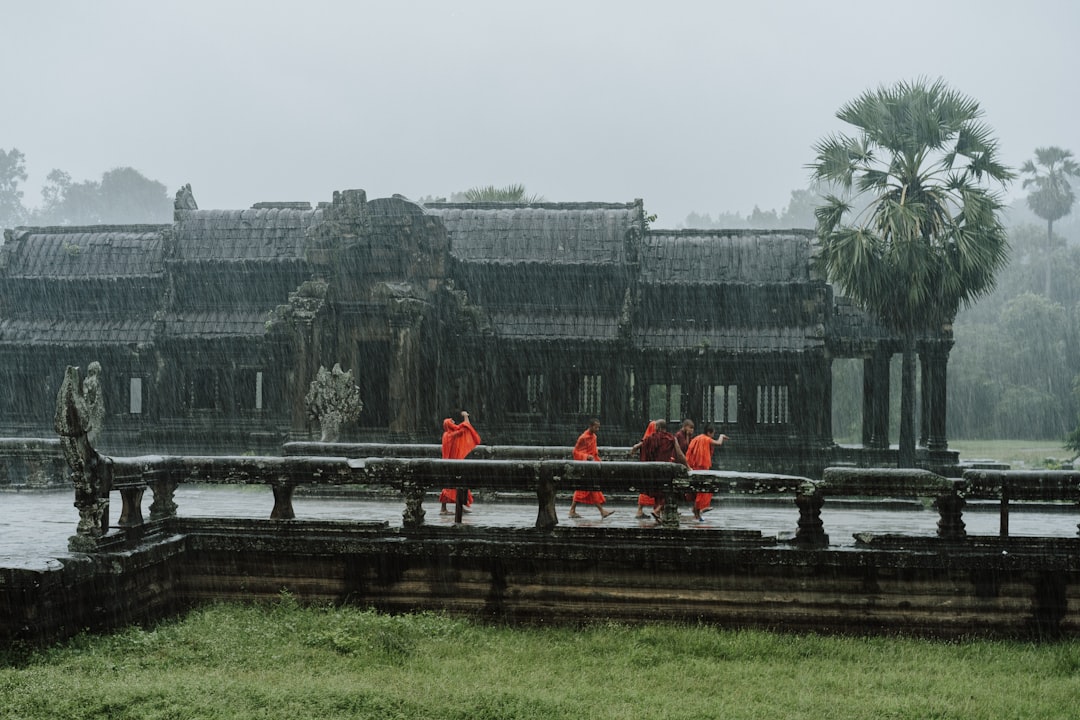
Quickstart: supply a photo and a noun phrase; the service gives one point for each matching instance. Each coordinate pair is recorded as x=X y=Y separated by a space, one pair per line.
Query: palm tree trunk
x=906 y=456
x=1049 y=255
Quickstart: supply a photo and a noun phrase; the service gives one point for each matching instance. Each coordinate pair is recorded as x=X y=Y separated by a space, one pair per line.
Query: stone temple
x=533 y=317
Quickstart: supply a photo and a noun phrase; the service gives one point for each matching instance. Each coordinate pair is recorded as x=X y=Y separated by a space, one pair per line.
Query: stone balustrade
x=415 y=472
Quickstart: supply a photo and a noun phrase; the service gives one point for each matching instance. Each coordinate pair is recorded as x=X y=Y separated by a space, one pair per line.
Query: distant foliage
x=333 y=399
x=509 y=194
x=12 y=174
x=1052 y=196
x=799 y=213
x=123 y=196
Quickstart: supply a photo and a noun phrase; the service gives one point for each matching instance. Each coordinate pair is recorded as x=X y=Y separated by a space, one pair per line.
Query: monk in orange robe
x=585 y=449
x=699 y=457
x=643 y=500
x=660 y=446
x=458 y=440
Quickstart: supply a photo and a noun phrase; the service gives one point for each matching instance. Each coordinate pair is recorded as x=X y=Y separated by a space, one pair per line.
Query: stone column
x=877 y=367
x=924 y=397
x=937 y=361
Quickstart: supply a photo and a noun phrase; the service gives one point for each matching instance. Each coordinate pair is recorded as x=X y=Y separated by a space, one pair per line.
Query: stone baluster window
x=773 y=407
x=721 y=404
x=589 y=395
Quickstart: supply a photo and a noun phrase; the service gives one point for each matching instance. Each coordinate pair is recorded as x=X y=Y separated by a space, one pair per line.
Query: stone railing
x=1021 y=485
x=413 y=477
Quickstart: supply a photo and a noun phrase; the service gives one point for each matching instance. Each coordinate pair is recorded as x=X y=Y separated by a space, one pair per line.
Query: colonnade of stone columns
x=933 y=365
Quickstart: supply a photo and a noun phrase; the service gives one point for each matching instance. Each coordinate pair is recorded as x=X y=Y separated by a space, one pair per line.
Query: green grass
x=1020 y=454
x=284 y=661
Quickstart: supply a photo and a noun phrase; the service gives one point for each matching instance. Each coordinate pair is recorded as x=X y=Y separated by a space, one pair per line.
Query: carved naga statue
x=74 y=422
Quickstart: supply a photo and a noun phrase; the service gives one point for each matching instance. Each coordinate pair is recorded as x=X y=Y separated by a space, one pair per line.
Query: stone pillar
x=877 y=367
x=868 y=402
x=936 y=369
x=405 y=317
x=924 y=397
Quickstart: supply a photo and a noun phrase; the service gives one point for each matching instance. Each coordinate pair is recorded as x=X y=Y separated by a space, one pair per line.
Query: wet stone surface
x=35 y=526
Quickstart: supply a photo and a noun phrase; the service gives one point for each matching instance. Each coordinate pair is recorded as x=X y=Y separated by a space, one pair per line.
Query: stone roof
x=559 y=233
x=554 y=326
x=257 y=234
x=760 y=340
x=727 y=256
x=76 y=332
x=75 y=252
x=211 y=324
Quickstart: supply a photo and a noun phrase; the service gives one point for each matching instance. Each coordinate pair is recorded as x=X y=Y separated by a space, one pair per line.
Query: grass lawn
x=285 y=661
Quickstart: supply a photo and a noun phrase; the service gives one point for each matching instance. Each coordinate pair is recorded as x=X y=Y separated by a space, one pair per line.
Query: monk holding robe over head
x=458 y=440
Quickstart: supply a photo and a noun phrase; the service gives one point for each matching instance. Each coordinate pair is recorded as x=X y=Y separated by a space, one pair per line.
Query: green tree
x=1052 y=196
x=12 y=173
x=930 y=238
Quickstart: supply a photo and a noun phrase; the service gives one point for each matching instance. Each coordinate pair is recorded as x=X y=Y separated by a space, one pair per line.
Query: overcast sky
x=693 y=106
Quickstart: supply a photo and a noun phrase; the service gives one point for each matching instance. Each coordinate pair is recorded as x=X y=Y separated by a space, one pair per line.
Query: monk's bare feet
x=444 y=511
x=573 y=515
x=604 y=513
x=639 y=515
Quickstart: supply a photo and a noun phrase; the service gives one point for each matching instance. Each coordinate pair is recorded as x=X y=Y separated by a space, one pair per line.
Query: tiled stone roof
x=76 y=332
x=554 y=326
x=762 y=340
x=727 y=256
x=560 y=233
x=263 y=233
x=59 y=252
x=216 y=324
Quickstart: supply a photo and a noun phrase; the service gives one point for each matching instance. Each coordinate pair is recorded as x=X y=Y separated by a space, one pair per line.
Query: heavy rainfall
x=350 y=309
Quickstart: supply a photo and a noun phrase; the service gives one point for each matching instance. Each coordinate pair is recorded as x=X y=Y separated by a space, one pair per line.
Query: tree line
x=123 y=195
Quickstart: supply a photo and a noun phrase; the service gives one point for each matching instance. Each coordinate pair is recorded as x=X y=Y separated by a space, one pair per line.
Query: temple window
x=720 y=403
x=534 y=394
x=589 y=395
x=665 y=402
x=135 y=396
x=772 y=405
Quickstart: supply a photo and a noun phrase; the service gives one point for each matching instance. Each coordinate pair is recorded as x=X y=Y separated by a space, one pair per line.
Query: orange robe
x=458 y=440
x=644 y=500
x=585 y=449
x=699 y=457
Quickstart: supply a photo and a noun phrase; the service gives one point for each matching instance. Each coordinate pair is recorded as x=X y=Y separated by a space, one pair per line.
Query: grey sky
x=693 y=106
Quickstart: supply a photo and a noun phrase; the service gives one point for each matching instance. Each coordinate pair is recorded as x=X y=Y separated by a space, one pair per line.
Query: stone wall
x=32 y=464
x=986 y=587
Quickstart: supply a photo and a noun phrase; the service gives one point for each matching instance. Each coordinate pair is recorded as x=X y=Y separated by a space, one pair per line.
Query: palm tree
x=514 y=193
x=1053 y=197
x=928 y=236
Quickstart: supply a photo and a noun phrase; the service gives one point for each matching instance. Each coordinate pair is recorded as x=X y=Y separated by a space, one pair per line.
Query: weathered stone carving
x=73 y=422
x=333 y=399
x=185 y=199
x=95 y=402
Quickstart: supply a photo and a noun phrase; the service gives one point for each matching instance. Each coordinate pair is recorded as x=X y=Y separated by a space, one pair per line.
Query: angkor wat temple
x=533 y=317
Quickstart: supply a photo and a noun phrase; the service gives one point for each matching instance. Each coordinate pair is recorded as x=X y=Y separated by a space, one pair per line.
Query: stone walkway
x=35 y=526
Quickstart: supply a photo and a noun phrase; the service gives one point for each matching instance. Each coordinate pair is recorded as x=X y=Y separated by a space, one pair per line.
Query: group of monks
x=694 y=451
x=656 y=445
